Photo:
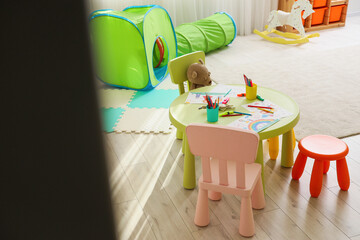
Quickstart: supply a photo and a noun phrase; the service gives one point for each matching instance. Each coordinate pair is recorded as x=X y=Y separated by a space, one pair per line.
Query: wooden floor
x=150 y=202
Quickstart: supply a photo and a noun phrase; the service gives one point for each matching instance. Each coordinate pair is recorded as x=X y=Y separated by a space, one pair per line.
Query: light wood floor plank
x=121 y=190
x=155 y=149
x=183 y=199
x=333 y=208
x=230 y=217
x=162 y=215
x=211 y=232
x=351 y=197
x=281 y=229
x=120 y=186
x=311 y=221
x=126 y=149
x=131 y=222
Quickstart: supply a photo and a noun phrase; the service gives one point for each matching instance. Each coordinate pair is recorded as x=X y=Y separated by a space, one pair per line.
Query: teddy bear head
x=198 y=75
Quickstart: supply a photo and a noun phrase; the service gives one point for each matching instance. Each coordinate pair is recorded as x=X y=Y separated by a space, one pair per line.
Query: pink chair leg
x=343 y=174
x=257 y=197
x=326 y=166
x=202 y=217
x=215 y=196
x=299 y=166
x=316 y=178
x=246 y=226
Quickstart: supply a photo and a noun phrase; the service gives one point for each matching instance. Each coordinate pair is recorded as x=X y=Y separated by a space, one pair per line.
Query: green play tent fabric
x=124 y=45
x=206 y=34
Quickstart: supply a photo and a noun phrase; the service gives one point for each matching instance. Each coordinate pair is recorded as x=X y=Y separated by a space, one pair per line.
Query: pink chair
x=227 y=158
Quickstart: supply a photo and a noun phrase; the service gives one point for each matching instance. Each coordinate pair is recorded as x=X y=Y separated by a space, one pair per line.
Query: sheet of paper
x=222 y=88
x=278 y=112
x=253 y=123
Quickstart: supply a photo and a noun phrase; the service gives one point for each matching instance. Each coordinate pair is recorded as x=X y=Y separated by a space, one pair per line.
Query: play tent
x=132 y=47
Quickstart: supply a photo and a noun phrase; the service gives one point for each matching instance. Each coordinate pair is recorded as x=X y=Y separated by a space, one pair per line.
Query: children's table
x=182 y=114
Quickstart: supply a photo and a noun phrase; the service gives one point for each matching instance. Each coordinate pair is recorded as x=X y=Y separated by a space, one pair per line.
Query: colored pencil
x=263 y=109
x=259 y=106
x=243 y=113
x=245 y=79
x=231 y=115
x=227 y=93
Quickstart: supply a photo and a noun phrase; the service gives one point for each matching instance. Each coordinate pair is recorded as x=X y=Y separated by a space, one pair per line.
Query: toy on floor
x=132 y=47
x=198 y=75
x=207 y=34
x=300 y=9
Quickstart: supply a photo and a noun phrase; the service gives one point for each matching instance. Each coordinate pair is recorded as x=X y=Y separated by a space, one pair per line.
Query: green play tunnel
x=132 y=47
x=206 y=34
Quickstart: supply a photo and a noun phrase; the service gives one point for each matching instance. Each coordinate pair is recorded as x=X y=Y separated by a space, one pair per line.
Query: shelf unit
x=285 y=5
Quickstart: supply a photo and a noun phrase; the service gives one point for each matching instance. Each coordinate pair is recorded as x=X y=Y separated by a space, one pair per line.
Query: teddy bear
x=198 y=75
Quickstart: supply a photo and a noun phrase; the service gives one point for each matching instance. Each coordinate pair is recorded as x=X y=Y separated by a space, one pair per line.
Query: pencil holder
x=251 y=92
x=212 y=114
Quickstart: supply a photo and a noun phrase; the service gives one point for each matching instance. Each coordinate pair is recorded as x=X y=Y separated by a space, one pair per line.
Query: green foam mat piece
x=156 y=98
x=110 y=117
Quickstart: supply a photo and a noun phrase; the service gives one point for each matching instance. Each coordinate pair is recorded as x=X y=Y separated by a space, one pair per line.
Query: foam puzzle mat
x=156 y=98
x=144 y=120
x=115 y=98
x=133 y=111
x=110 y=116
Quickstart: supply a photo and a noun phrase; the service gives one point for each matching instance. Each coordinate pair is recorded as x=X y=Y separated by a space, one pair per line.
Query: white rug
x=322 y=76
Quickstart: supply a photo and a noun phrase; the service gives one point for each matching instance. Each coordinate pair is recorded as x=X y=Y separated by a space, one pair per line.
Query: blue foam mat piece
x=156 y=98
x=110 y=116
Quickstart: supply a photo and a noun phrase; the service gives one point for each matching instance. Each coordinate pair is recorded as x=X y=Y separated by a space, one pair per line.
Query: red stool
x=323 y=149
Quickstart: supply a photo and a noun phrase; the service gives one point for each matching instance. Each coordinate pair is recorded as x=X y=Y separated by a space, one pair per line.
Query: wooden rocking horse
x=293 y=18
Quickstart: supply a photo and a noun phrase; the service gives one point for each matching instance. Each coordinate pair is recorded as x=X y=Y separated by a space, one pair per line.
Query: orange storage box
x=318 y=16
x=319 y=3
x=335 y=13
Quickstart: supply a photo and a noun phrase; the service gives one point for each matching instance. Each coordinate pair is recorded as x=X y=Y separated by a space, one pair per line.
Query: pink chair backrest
x=225 y=144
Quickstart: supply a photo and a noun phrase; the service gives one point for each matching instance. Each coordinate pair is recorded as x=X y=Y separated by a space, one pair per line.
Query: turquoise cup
x=212 y=114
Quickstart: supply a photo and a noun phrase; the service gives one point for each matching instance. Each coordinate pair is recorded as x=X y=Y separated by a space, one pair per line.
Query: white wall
x=247 y=14
x=353 y=7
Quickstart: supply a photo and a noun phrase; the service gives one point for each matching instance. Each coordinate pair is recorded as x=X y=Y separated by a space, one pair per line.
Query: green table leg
x=189 y=180
x=287 y=151
x=260 y=159
x=183 y=144
x=179 y=134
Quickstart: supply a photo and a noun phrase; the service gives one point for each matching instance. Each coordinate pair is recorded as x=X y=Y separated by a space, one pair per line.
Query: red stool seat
x=323 y=149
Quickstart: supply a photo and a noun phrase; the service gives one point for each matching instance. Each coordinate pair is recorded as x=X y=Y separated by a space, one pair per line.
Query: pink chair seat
x=252 y=175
